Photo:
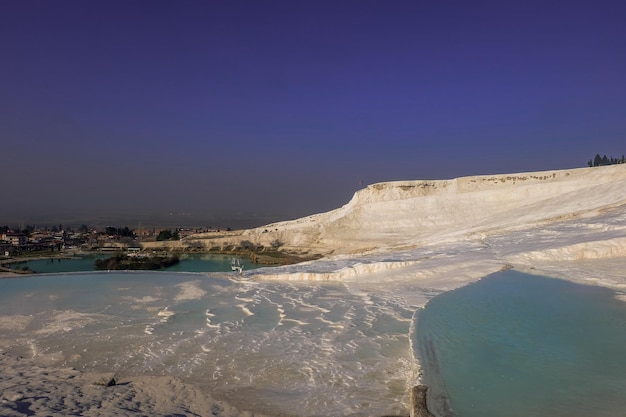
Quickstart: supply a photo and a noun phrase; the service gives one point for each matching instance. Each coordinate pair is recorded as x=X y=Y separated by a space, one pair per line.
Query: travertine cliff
x=412 y=213
x=399 y=215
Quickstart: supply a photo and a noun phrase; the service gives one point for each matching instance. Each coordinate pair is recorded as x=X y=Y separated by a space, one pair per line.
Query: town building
x=15 y=239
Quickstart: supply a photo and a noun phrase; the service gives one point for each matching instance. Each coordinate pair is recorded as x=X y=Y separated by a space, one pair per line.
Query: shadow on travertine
x=418 y=402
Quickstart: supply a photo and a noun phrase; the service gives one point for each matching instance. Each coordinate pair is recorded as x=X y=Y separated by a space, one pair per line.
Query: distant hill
x=413 y=213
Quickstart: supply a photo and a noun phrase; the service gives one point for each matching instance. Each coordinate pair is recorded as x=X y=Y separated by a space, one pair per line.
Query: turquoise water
x=522 y=345
x=59 y=265
x=188 y=263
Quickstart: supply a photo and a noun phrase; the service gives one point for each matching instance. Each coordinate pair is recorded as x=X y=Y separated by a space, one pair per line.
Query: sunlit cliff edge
x=454 y=231
x=412 y=213
x=403 y=214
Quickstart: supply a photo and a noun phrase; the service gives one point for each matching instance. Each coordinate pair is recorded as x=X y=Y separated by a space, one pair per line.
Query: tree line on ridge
x=600 y=161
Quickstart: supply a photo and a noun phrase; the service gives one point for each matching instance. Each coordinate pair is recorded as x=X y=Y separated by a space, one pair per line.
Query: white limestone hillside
x=415 y=239
x=422 y=237
x=406 y=214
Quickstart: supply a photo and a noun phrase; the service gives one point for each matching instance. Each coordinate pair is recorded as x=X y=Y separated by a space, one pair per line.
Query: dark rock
x=418 y=402
x=106 y=381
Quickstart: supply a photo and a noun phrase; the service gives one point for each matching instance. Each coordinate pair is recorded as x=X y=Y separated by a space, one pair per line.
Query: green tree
x=122 y=231
x=164 y=235
x=28 y=229
x=604 y=160
x=597 y=161
x=247 y=245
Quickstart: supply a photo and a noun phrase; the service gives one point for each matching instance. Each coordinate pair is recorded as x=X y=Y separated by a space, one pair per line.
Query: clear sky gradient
x=288 y=107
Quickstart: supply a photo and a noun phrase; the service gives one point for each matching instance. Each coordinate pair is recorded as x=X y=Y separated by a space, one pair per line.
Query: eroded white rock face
x=417 y=238
x=417 y=213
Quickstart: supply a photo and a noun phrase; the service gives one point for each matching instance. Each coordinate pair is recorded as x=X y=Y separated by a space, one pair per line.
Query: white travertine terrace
x=443 y=234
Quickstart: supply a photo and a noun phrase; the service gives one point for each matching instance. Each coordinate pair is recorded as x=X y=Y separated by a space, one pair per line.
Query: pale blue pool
x=514 y=344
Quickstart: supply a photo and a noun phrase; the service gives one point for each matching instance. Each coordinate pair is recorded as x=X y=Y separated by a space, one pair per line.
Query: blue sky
x=288 y=107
